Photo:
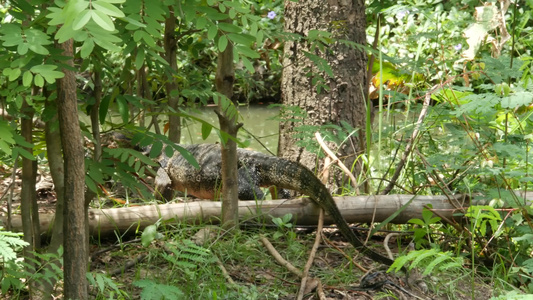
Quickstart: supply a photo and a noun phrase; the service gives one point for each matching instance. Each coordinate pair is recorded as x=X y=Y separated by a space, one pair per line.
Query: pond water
x=260 y=131
x=260 y=128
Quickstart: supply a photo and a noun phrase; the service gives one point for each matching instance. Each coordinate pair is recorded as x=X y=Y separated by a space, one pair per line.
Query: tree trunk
x=224 y=78
x=75 y=211
x=174 y=121
x=55 y=162
x=28 y=196
x=344 y=99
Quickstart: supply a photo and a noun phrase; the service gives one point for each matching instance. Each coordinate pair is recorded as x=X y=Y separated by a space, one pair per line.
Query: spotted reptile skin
x=255 y=170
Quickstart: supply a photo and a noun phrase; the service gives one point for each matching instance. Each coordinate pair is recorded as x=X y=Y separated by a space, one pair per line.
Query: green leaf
x=222 y=43
x=139 y=59
x=246 y=51
x=156 y=149
x=137 y=35
x=24 y=153
x=6 y=133
x=228 y=27
x=169 y=151
x=253 y=28
x=149 y=40
x=212 y=13
x=87 y=48
x=15 y=73
x=188 y=156
x=242 y=38
x=22 y=48
x=102 y=20
x=149 y=234
x=107 y=8
x=27 y=78
x=212 y=32
x=90 y=184
x=206 y=130
x=104 y=109
x=259 y=37
x=123 y=108
x=248 y=64
x=38 y=49
x=201 y=22
x=114 y=1
x=81 y=20
x=134 y=22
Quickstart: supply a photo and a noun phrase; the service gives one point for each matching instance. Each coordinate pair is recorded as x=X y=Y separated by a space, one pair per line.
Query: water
x=260 y=131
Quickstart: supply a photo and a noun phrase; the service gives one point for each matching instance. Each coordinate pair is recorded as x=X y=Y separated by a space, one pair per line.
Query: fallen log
x=355 y=209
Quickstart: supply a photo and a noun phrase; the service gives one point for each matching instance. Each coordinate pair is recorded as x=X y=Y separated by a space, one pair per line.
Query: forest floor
x=204 y=262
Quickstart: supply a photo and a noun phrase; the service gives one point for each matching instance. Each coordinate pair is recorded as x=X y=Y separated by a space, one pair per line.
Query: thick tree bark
x=75 y=211
x=345 y=99
x=55 y=162
x=28 y=196
x=174 y=121
x=224 y=78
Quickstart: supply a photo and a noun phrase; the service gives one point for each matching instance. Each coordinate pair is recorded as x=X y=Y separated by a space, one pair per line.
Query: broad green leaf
x=149 y=234
x=104 y=108
x=188 y=156
x=6 y=133
x=107 y=8
x=27 y=78
x=206 y=130
x=7 y=71
x=133 y=22
x=156 y=149
x=221 y=7
x=228 y=27
x=87 y=48
x=232 y=13
x=222 y=43
x=19 y=100
x=246 y=51
x=253 y=28
x=114 y=1
x=38 y=80
x=38 y=49
x=212 y=32
x=103 y=41
x=137 y=35
x=123 y=108
x=259 y=37
x=52 y=76
x=201 y=22
x=242 y=38
x=149 y=40
x=139 y=59
x=90 y=184
x=15 y=73
x=102 y=20
x=42 y=68
x=23 y=152
x=4 y=147
x=248 y=64
x=212 y=13
x=22 y=48
x=81 y=20
x=65 y=33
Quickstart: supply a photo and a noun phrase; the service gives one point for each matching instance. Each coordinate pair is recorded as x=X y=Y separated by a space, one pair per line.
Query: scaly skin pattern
x=255 y=170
